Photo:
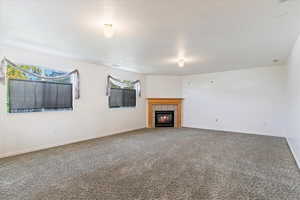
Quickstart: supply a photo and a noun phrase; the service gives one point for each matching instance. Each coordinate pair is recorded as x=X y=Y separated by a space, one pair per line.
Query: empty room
x=150 y=100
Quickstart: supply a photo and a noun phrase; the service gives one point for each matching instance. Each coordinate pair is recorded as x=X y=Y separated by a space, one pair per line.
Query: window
x=120 y=97
x=26 y=93
x=122 y=93
x=34 y=96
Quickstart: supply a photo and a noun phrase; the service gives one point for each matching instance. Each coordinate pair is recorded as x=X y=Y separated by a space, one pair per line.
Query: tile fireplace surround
x=164 y=104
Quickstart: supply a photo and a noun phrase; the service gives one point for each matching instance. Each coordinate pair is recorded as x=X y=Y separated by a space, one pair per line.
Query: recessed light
x=109 y=30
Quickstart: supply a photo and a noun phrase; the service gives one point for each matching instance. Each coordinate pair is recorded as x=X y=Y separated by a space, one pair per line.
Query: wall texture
x=248 y=101
x=91 y=117
x=163 y=86
x=293 y=128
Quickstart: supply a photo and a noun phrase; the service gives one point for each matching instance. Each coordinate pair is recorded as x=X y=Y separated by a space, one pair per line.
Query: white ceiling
x=213 y=35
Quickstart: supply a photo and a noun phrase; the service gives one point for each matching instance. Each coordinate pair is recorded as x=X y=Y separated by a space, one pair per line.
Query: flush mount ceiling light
x=181 y=62
x=108 y=30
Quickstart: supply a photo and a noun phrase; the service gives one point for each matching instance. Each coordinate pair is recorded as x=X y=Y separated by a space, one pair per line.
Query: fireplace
x=164 y=118
x=164 y=104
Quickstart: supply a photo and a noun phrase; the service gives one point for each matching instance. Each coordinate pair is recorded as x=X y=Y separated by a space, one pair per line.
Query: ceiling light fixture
x=108 y=30
x=181 y=62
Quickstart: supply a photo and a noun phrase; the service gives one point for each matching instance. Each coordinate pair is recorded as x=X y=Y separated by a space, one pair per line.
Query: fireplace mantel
x=177 y=102
x=163 y=99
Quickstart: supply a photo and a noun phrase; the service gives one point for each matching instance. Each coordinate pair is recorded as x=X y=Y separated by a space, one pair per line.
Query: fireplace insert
x=164 y=118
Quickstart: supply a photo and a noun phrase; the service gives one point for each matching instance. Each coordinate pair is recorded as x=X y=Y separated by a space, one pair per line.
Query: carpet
x=156 y=164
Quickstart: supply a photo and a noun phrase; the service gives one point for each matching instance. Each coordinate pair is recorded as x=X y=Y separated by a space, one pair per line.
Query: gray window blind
x=33 y=96
x=122 y=98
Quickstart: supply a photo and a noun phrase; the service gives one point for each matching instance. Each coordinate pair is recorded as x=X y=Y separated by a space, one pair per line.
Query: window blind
x=122 y=98
x=33 y=96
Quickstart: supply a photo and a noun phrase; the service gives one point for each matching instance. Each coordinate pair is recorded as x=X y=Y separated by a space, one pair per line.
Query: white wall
x=91 y=117
x=163 y=86
x=248 y=101
x=293 y=128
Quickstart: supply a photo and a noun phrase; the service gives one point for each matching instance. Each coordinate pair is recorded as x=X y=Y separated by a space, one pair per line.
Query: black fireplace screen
x=164 y=118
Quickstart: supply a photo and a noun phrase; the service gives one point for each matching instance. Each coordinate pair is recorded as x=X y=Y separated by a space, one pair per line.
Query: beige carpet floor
x=156 y=164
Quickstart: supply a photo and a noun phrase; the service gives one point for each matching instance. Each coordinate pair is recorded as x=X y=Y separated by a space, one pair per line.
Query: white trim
x=115 y=133
x=293 y=152
x=24 y=151
x=54 y=52
x=288 y=142
x=235 y=131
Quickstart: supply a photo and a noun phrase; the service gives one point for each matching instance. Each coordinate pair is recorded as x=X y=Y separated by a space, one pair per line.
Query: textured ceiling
x=212 y=35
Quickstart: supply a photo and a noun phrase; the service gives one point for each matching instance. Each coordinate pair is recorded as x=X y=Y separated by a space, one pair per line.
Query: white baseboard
x=235 y=131
x=4 y=155
x=289 y=143
x=293 y=152
x=24 y=151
